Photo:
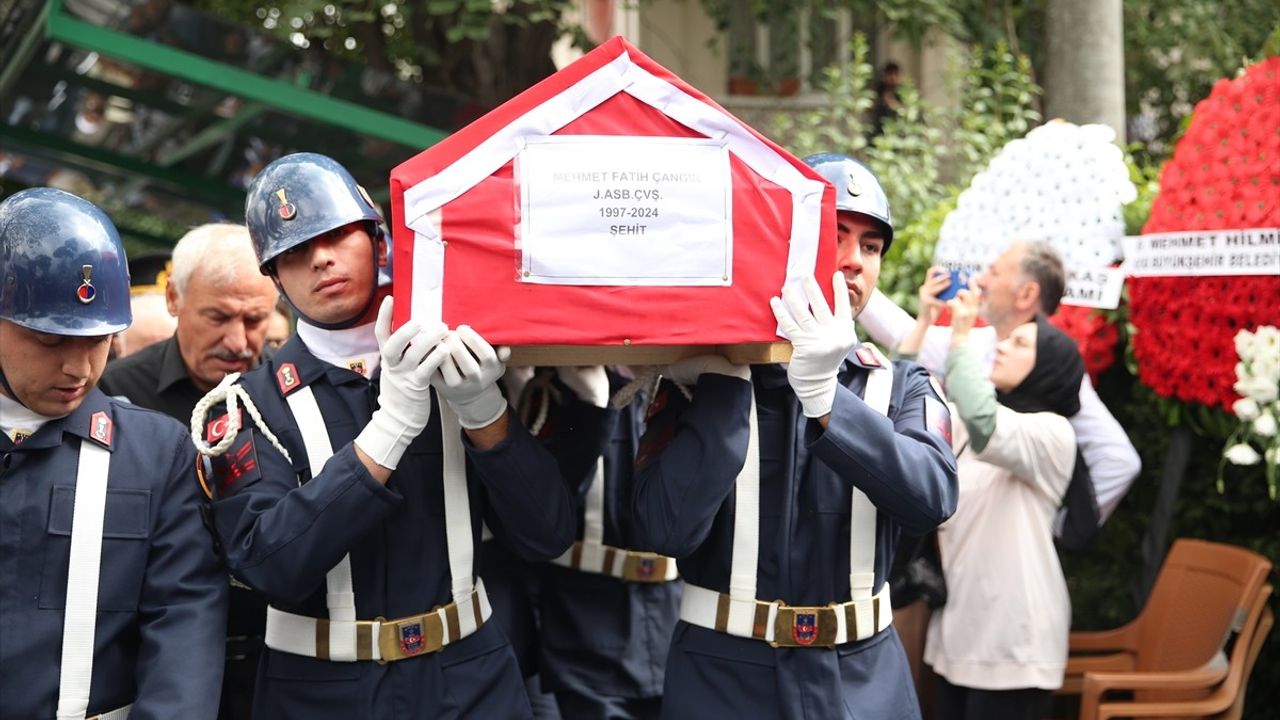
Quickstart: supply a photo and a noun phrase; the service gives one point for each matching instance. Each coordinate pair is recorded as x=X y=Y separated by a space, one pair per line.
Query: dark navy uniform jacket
x=156 y=377
x=162 y=592
x=282 y=540
x=689 y=460
x=602 y=636
x=577 y=430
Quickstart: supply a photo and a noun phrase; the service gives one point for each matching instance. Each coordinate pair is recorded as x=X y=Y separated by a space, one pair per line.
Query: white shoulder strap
x=80 y=618
x=746 y=520
x=592 y=547
x=862 y=513
x=340 y=596
x=457 y=517
x=746 y=534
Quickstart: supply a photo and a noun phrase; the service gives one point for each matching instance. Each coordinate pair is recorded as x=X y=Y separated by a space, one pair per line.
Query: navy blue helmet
x=63 y=269
x=300 y=196
x=857 y=189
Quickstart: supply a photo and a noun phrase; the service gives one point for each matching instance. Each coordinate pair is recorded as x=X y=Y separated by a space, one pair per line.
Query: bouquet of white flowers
x=1258 y=383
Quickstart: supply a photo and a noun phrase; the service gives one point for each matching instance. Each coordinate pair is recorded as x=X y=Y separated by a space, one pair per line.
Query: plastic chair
x=1225 y=680
x=1236 y=710
x=1204 y=591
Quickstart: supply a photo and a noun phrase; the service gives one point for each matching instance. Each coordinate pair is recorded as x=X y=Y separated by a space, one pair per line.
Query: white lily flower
x=1242 y=454
x=1266 y=368
x=1244 y=344
x=1267 y=340
x=1265 y=425
x=1263 y=391
x=1246 y=409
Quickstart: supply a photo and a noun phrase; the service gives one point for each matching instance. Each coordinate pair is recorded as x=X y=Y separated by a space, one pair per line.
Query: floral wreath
x=1224 y=174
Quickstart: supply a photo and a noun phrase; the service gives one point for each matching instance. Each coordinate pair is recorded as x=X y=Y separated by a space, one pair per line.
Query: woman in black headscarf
x=999 y=645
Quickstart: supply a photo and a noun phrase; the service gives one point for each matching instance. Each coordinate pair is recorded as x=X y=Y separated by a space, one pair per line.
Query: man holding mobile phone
x=1026 y=279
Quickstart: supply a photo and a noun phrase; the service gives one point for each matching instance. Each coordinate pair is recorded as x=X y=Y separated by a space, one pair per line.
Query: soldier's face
x=330 y=278
x=51 y=374
x=860 y=243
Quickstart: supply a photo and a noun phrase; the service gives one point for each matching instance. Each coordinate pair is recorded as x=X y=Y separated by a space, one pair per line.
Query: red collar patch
x=867 y=357
x=287 y=378
x=100 y=428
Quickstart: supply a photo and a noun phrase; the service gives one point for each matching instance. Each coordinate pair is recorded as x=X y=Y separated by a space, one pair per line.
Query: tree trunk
x=1084 y=63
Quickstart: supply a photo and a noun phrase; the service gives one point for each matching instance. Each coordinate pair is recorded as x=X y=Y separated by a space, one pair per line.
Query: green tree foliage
x=1174 y=49
x=481 y=49
x=926 y=154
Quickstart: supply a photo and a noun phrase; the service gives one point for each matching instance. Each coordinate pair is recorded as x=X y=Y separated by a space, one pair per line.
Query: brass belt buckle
x=804 y=627
x=410 y=637
x=644 y=567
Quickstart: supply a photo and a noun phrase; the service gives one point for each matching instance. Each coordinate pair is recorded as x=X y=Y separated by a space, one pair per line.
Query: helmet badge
x=287 y=210
x=853 y=187
x=86 y=292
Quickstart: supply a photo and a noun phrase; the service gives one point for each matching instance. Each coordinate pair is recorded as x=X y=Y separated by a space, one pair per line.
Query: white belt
x=117 y=714
x=591 y=555
x=783 y=625
x=626 y=565
x=379 y=640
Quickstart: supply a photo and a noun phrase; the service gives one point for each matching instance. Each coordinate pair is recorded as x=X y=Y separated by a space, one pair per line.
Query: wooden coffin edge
x=559 y=355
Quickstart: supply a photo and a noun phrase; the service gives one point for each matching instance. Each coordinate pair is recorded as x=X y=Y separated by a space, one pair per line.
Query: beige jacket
x=1007 y=615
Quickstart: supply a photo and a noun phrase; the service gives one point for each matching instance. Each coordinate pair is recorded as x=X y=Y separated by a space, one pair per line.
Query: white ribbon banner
x=1254 y=251
x=1094 y=288
x=617 y=210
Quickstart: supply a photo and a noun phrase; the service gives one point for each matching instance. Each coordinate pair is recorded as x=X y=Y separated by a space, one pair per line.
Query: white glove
x=468 y=380
x=820 y=341
x=409 y=358
x=588 y=382
x=686 y=371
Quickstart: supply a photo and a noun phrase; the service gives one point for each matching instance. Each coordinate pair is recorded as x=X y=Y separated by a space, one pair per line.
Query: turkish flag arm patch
x=237 y=468
x=937 y=418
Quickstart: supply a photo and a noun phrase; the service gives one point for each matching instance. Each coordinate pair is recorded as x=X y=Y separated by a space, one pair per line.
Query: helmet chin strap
x=8 y=390
x=341 y=324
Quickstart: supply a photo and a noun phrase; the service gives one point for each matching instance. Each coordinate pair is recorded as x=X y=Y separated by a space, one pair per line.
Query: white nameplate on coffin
x=609 y=210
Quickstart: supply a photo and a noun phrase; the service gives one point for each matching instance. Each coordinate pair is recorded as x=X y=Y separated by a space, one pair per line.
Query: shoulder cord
x=536 y=397
x=227 y=391
x=647 y=378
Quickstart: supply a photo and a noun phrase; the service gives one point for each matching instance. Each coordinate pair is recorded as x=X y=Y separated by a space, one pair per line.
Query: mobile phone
x=959 y=279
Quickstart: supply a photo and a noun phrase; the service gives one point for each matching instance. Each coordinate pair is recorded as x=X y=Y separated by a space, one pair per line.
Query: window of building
x=783 y=50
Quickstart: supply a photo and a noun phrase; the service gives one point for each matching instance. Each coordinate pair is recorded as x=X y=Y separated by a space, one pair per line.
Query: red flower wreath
x=1094 y=335
x=1224 y=174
